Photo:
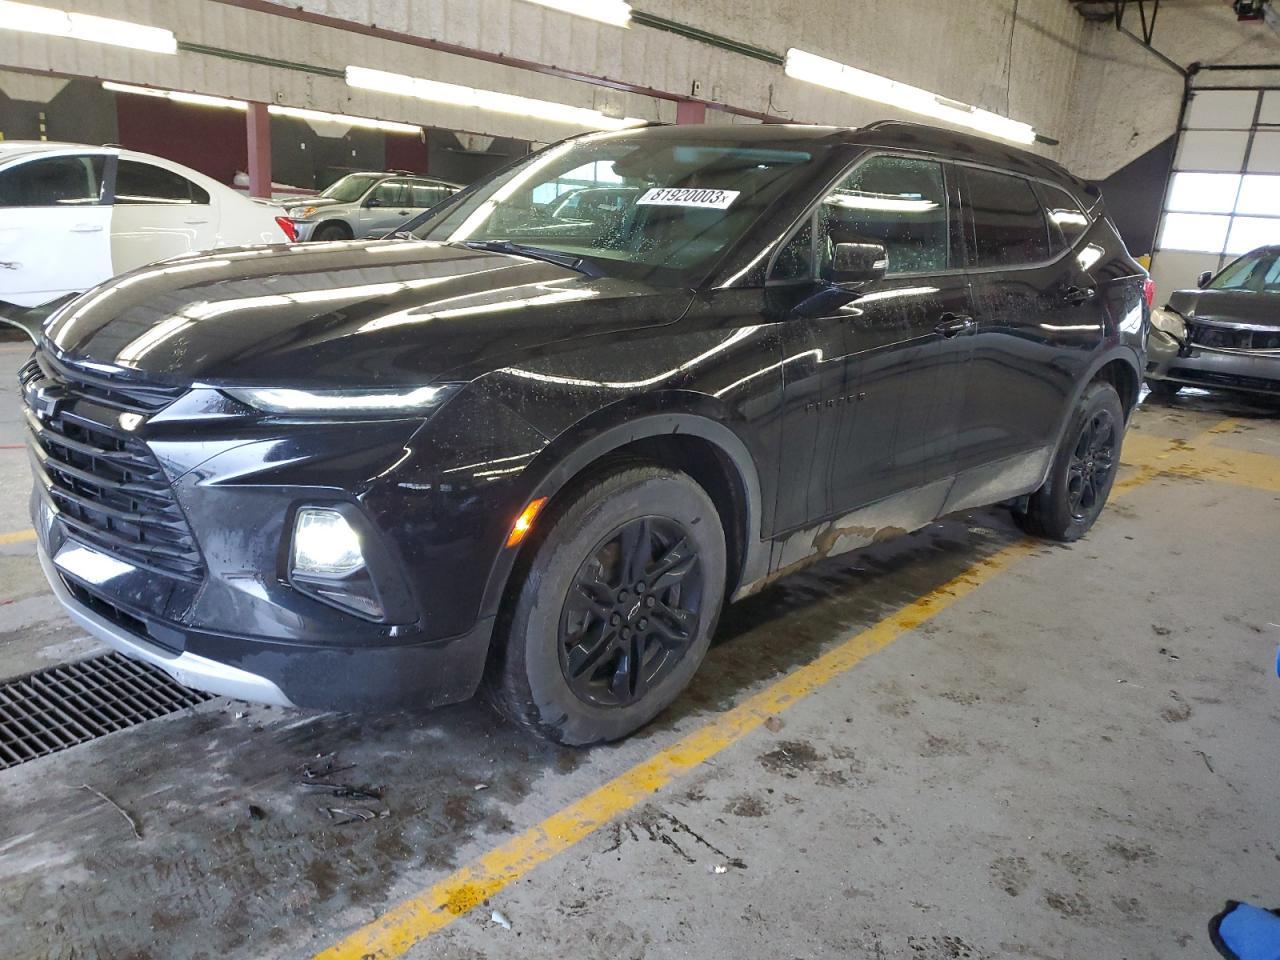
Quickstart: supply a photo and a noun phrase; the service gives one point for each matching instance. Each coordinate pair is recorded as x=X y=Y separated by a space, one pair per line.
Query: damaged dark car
x=1224 y=334
x=535 y=454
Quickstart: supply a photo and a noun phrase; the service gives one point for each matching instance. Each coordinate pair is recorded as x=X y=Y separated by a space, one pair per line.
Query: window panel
x=1260 y=195
x=52 y=182
x=1067 y=222
x=1264 y=157
x=1194 y=231
x=138 y=183
x=1204 y=192
x=1250 y=232
x=1270 y=107
x=1221 y=110
x=1008 y=221
x=1212 y=150
x=897 y=202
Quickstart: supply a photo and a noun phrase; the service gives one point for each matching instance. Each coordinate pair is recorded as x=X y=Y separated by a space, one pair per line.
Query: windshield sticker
x=689 y=197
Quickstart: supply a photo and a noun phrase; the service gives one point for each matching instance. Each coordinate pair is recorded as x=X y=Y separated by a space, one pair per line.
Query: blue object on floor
x=1245 y=932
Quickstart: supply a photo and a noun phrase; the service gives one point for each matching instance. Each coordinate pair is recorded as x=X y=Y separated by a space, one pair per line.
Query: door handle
x=9 y=264
x=953 y=324
x=1077 y=295
x=196 y=222
x=405 y=213
x=87 y=228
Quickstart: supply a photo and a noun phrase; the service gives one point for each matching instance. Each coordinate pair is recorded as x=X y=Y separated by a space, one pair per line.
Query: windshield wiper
x=580 y=264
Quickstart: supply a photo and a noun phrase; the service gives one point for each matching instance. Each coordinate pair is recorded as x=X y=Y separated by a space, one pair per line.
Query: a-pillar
x=258 y=123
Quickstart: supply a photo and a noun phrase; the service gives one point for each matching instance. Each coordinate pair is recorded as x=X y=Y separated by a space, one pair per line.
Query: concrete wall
x=1125 y=101
x=968 y=51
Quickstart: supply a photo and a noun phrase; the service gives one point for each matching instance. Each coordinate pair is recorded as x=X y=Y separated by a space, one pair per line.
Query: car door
x=53 y=227
x=886 y=362
x=1039 y=322
x=157 y=213
x=385 y=208
x=424 y=196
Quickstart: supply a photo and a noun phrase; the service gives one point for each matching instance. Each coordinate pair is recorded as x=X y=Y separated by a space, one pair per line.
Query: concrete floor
x=1079 y=758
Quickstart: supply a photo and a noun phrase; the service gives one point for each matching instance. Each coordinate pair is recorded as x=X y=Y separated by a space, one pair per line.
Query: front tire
x=616 y=609
x=331 y=231
x=1083 y=469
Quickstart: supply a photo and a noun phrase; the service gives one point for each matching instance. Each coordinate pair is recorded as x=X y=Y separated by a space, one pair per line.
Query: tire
x=576 y=600
x=1164 y=389
x=331 y=231
x=1083 y=469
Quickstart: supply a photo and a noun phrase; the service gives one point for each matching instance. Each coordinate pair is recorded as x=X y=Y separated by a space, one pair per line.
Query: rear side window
x=1008 y=222
x=897 y=202
x=144 y=183
x=1067 y=222
x=52 y=182
x=425 y=195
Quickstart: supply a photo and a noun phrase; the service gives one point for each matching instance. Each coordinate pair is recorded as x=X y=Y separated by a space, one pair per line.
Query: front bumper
x=1197 y=366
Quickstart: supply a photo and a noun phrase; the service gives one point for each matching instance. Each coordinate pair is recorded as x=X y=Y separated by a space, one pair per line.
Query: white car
x=72 y=216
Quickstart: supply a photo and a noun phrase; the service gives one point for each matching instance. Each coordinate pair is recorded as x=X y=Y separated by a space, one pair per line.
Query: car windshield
x=350 y=188
x=1256 y=272
x=646 y=208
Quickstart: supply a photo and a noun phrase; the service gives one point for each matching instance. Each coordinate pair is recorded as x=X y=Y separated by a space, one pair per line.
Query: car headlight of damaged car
x=378 y=402
x=1167 y=321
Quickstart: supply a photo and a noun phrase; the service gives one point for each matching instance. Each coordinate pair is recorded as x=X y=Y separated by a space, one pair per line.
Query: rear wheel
x=332 y=231
x=1164 y=389
x=1083 y=469
x=616 y=609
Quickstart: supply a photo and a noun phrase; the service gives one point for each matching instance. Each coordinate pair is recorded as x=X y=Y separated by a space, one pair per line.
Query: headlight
x=301 y=213
x=1166 y=321
x=324 y=544
x=378 y=403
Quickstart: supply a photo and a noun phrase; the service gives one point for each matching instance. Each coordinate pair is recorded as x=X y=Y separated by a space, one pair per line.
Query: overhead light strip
x=28 y=18
x=177 y=96
x=614 y=12
x=871 y=86
x=455 y=95
x=366 y=123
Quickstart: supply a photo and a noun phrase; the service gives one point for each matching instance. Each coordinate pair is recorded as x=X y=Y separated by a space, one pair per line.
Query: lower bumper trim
x=189 y=669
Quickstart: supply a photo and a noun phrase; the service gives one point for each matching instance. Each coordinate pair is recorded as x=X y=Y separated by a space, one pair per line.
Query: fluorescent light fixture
x=606 y=11
x=436 y=91
x=28 y=18
x=366 y=123
x=177 y=96
x=871 y=86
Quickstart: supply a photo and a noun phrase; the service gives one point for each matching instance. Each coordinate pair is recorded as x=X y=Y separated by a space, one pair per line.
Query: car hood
x=1228 y=306
x=346 y=314
x=304 y=201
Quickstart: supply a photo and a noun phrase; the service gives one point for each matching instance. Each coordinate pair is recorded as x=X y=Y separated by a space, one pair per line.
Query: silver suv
x=364 y=205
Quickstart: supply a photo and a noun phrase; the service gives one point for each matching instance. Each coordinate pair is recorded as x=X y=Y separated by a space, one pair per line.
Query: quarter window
x=1008 y=222
x=425 y=195
x=144 y=183
x=389 y=194
x=897 y=202
x=52 y=182
x=1067 y=222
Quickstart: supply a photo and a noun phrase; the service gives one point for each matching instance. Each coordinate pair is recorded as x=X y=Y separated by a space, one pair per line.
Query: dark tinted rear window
x=143 y=183
x=1008 y=221
x=52 y=182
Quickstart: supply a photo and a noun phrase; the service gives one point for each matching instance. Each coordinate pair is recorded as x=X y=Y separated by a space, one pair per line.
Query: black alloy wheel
x=1092 y=464
x=632 y=612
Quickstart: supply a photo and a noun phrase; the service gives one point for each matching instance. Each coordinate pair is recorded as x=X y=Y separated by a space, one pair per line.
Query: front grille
x=73 y=703
x=108 y=488
x=1211 y=379
x=1229 y=338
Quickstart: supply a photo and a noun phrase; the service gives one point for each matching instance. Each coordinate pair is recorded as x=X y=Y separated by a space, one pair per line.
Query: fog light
x=324 y=544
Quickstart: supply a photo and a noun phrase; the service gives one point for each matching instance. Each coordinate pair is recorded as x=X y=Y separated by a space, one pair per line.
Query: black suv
x=541 y=453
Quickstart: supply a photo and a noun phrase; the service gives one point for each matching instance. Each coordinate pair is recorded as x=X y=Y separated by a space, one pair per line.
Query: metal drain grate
x=50 y=710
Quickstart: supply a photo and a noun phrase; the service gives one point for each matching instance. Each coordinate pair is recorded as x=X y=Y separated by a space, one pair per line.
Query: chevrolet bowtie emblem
x=44 y=401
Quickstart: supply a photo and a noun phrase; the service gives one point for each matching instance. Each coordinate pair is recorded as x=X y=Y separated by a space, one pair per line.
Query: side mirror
x=1204 y=278
x=373 y=202
x=857 y=263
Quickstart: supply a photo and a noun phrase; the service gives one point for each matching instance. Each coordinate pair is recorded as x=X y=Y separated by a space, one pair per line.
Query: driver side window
x=897 y=202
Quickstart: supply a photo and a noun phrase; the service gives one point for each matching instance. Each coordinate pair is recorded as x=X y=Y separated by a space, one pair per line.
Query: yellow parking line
x=17 y=536
x=434 y=908
x=438 y=905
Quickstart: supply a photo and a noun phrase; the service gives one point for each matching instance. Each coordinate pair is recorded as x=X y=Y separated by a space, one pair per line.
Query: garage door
x=1224 y=197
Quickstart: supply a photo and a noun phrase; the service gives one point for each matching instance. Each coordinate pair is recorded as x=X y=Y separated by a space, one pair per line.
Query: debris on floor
x=500 y=919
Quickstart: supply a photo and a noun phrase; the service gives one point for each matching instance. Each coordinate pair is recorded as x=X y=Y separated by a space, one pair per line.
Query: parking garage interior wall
x=462 y=159
x=1134 y=194
x=79 y=111
x=204 y=138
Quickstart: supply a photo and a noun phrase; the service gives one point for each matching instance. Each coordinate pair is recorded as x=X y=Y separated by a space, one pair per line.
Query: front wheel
x=1083 y=469
x=616 y=609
